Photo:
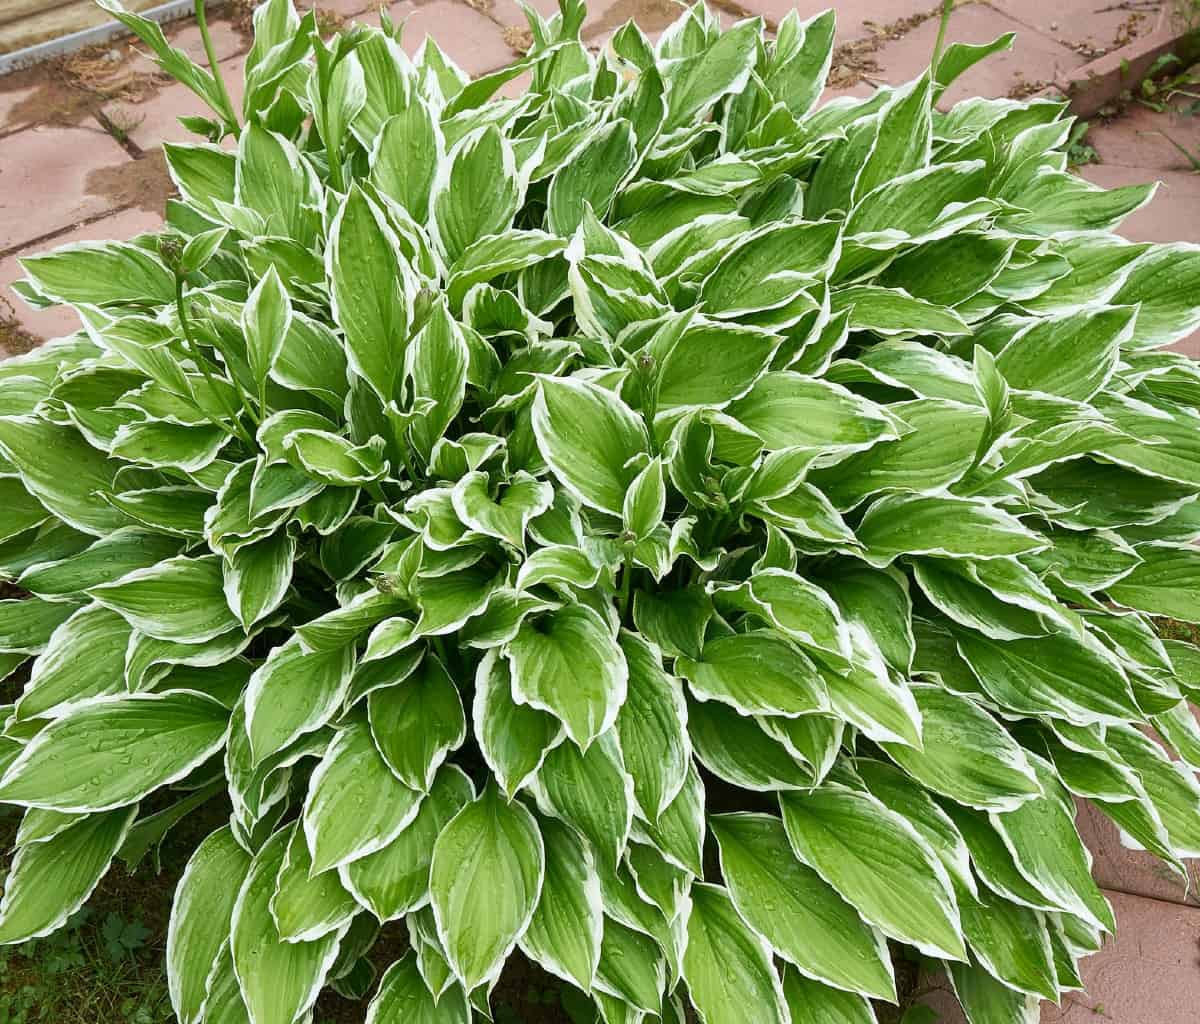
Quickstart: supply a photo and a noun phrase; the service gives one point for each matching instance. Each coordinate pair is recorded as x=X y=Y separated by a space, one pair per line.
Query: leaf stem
x=626 y=584
x=944 y=21
x=210 y=52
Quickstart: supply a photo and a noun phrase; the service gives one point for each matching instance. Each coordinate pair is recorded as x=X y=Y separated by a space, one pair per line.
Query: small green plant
x=1079 y=151
x=699 y=538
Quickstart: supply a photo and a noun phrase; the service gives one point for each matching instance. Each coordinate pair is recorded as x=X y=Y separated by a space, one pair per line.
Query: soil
x=14 y=339
x=651 y=16
x=143 y=183
x=72 y=89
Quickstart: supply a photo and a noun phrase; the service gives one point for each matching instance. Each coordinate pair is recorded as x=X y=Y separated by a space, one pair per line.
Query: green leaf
x=371 y=288
x=587 y=435
x=101 y=274
x=200 y=921
x=403 y=995
x=1072 y=356
x=112 y=751
x=484 y=884
x=696 y=82
x=417 y=723
x=652 y=728
x=84 y=658
x=507 y=515
x=108 y=559
x=307 y=906
x=879 y=864
x=756 y=673
x=438 y=368
x=60 y=469
x=591 y=177
x=869 y=697
x=51 y=880
x=739 y=750
x=966 y=754
x=266 y=319
x=813 y=1002
x=355 y=804
x=179 y=599
x=257 y=577
x=407 y=153
x=1161 y=282
x=1166 y=582
x=277 y=184
x=278 y=980
x=941 y=525
x=590 y=790
x=475 y=193
x=802 y=918
x=938 y=450
x=512 y=737
x=1055 y=675
x=394 y=880
x=728 y=967
x=292 y=693
x=1012 y=943
x=1041 y=837
x=800 y=61
x=645 y=501
x=904 y=137
x=987 y=1001
x=565 y=931
x=568 y=663
x=789 y=410
x=767 y=268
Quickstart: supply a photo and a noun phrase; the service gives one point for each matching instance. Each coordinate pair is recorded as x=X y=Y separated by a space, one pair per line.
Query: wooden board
x=28 y=22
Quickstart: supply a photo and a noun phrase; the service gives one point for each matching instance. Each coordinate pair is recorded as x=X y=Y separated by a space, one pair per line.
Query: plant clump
x=698 y=537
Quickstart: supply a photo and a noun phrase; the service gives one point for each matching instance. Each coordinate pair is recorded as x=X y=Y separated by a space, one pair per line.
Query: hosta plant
x=699 y=538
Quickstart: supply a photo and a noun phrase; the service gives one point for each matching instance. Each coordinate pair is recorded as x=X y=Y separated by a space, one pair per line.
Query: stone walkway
x=80 y=159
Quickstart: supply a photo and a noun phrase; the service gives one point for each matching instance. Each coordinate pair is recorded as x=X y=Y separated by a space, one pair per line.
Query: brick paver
x=855 y=18
x=1091 y=25
x=48 y=180
x=1146 y=974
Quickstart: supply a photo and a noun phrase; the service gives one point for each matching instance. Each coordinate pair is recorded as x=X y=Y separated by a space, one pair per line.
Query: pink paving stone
x=1094 y=23
x=508 y=13
x=1138 y=138
x=856 y=19
x=473 y=40
x=1033 y=58
x=60 y=320
x=12 y=102
x=1147 y=974
x=44 y=174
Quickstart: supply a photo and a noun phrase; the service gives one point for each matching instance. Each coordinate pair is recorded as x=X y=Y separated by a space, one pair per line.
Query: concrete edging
x=173 y=10
x=1101 y=82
